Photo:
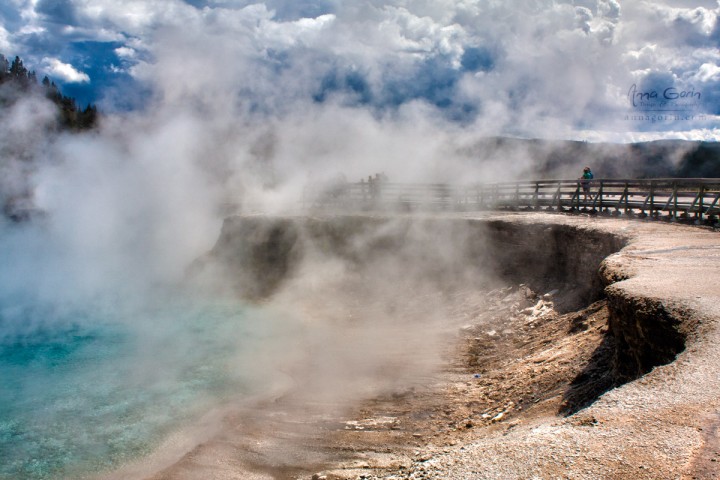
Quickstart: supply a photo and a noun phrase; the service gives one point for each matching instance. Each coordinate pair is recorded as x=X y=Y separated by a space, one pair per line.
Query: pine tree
x=19 y=73
x=4 y=69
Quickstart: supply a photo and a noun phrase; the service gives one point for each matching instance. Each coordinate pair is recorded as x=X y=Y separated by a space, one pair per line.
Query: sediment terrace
x=643 y=403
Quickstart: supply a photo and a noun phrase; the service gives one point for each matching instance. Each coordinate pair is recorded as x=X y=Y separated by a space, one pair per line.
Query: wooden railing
x=688 y=199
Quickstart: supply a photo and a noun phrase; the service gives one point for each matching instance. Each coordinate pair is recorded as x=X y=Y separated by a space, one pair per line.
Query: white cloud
x=135 y=17
x=695 y=134
x=609 y=9
x=708 y=72
x=703 y=19
x=31 y=29
x=305 y=30
x=4 y=40
x=64 y=71
x=125 y=52
x=75 y=33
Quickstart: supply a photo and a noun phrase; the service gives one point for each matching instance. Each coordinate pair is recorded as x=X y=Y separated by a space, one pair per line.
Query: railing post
x=701 y=204
x=652 y=198
x=575 y=199
x=711 y=216
x=627 y=187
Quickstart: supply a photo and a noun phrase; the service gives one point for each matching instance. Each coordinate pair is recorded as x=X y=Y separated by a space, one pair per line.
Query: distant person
x=372 y=186
x=362 y=189
x=378 y=181
x=585 y=181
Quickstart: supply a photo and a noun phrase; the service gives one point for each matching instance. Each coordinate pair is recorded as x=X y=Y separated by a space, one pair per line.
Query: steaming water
x=85 y=388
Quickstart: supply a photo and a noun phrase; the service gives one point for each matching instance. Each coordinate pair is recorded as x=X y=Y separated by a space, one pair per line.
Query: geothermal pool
x=84 y=389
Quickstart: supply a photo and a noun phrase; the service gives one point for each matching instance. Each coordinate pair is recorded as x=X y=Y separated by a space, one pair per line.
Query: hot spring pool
x=86 y=389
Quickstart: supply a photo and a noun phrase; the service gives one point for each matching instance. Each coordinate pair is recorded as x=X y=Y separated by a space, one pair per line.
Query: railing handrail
x=642 y=181
x=555 y=181
x=678 y=197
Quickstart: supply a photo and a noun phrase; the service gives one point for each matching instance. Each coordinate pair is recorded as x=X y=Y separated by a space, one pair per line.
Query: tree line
x=22 y=81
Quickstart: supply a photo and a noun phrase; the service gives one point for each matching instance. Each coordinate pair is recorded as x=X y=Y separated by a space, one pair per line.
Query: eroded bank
x=256 y=254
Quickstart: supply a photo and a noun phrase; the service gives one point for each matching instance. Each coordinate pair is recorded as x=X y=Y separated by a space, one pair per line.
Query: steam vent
x=463 y=346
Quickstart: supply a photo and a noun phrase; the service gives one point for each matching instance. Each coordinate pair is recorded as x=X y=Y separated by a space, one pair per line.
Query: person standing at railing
x=376 y=184
x=585 y=182
x=372 y=187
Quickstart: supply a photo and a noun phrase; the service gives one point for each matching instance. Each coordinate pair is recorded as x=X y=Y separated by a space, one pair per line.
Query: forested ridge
x=17 y=81
x=32 y=114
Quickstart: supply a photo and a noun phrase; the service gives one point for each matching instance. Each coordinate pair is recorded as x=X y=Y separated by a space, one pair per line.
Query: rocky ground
x=525 y=388
x=515 y=362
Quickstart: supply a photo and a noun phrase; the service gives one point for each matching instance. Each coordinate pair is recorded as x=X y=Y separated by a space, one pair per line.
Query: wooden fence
x=687 y=199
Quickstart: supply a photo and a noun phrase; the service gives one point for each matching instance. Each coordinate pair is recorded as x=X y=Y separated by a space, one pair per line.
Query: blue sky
x=533 y=68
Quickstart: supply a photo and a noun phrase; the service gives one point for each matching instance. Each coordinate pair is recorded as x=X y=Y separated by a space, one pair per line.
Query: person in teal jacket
x=585 y=181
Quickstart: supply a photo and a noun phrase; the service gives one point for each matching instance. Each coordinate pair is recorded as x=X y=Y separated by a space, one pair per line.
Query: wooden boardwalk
x=694 y=200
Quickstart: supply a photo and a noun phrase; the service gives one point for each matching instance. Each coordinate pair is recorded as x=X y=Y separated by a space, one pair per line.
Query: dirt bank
x=563 y=385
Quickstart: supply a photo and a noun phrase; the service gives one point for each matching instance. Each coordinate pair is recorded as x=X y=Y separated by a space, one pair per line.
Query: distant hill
x=558 y=159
